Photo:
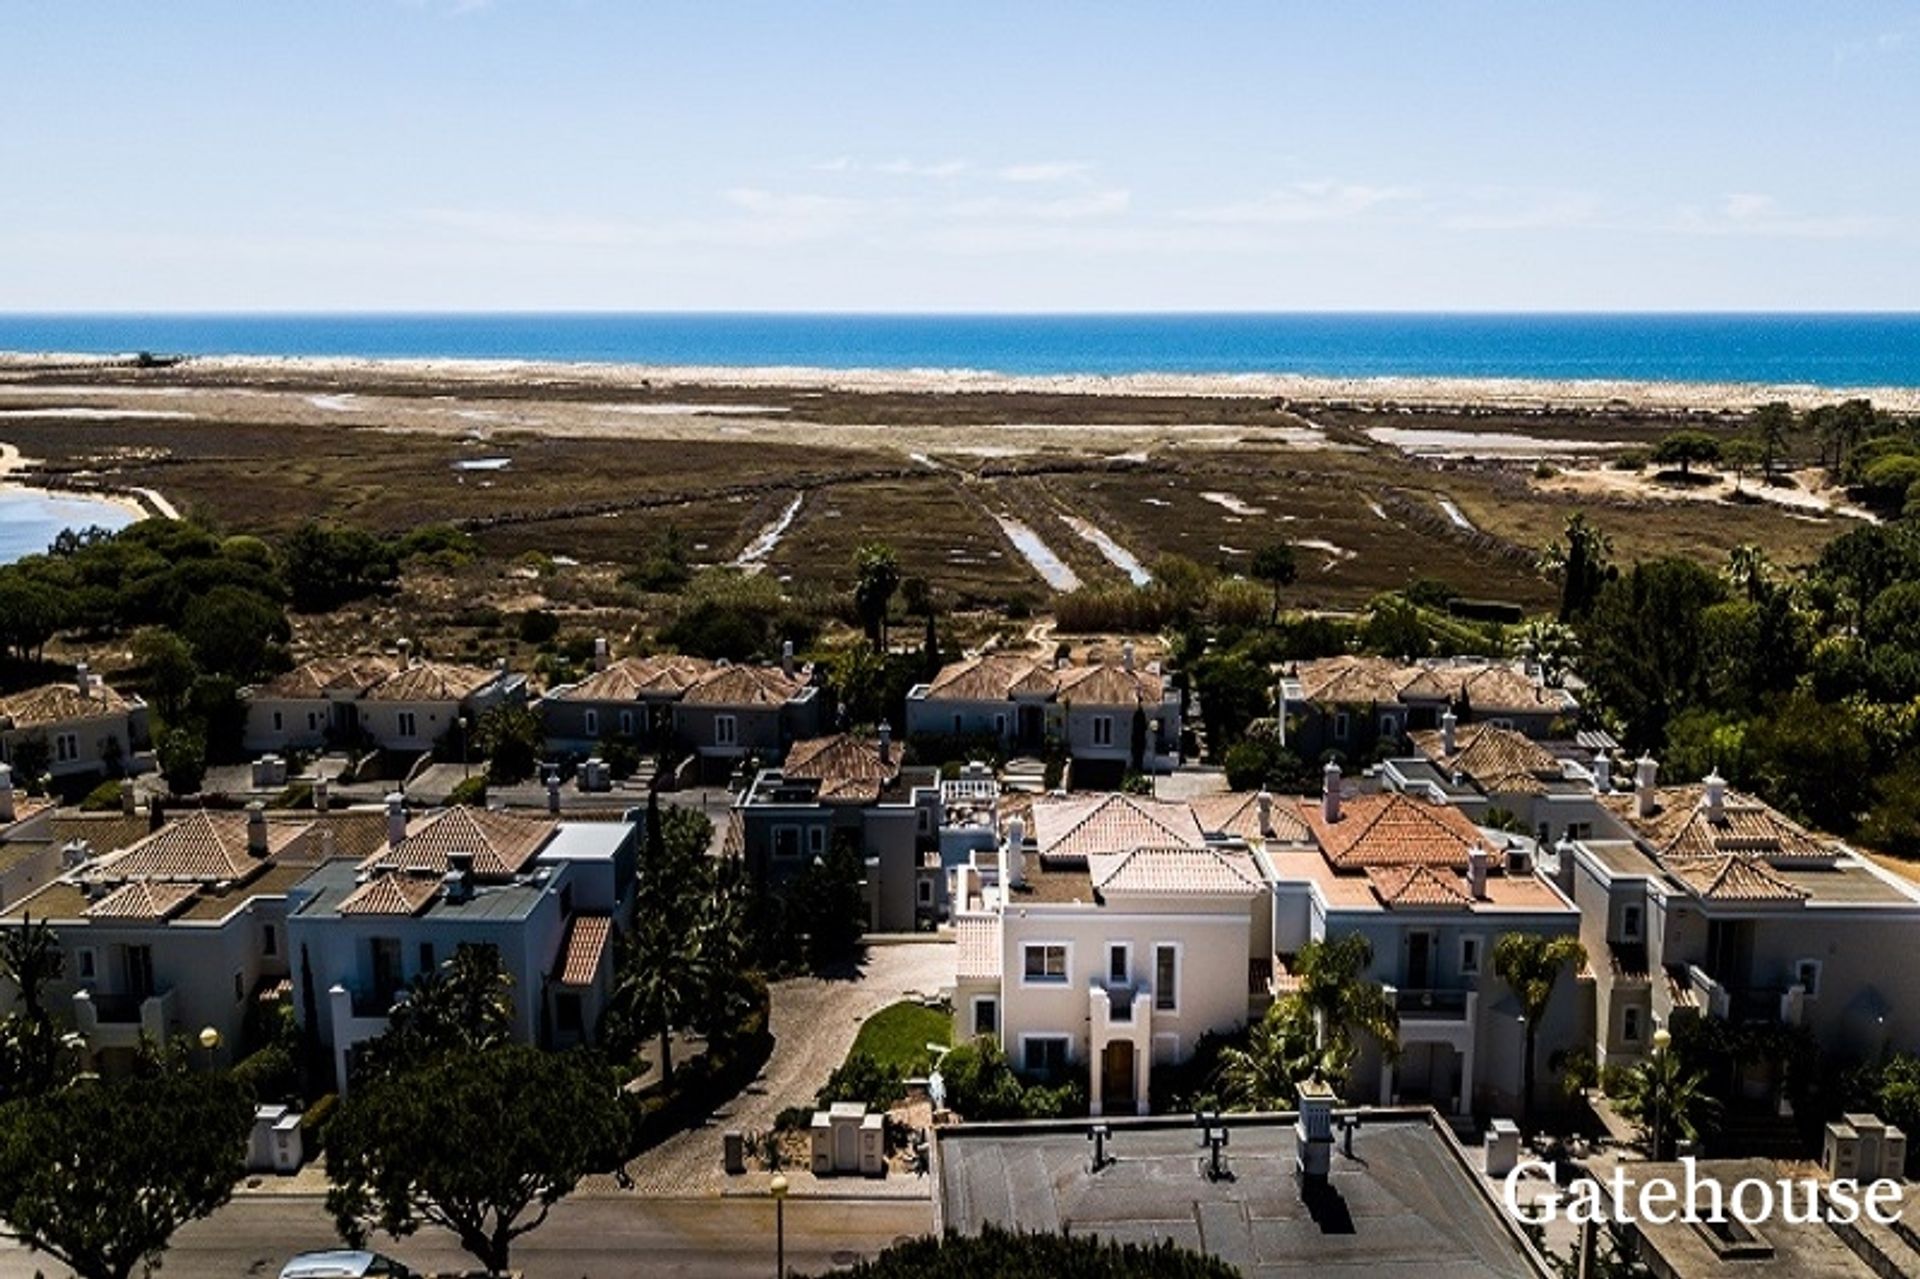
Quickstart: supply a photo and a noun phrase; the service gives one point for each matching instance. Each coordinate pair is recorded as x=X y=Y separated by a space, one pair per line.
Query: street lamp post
x=210 y=1040
x=1662 y=1039
x=778 y=1189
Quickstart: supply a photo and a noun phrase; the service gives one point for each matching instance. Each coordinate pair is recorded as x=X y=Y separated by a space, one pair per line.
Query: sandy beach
x=1479 y=393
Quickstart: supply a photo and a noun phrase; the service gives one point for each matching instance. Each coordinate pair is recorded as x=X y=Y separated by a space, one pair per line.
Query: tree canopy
x=1000 y=1254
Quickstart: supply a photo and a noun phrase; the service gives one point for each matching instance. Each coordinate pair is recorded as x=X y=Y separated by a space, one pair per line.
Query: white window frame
x=1812 y=987
x=1125 y=950
x=1633 y=922
x=1389 y=724
x=726 y=730
x=1046 y=1037
x=1103 y=730
x=86 y=964
x=1066 y=964
x=1631 y=1029
x=66 y=748
x=816 y=839
x=626 y=723
x=1170 y=1007
x=1477 y=944
x=590 y=720
x=406 y=723
x=986 y=1001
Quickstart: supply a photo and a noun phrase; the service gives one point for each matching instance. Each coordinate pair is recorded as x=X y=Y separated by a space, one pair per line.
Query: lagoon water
x=31 y=518
x=1833 y=350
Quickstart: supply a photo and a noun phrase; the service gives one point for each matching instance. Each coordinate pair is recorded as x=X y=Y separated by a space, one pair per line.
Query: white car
x=344 y=1265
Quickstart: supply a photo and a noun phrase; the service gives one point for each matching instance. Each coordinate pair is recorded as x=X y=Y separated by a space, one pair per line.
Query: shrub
x=863 y=1078
x=269 y=1074
x=315 y=1122
x=1002 y=1254
x=537 y=626
x=471 y=792
x=104 y=798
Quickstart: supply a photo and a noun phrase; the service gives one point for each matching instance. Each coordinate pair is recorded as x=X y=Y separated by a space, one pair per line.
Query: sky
x=979 y=156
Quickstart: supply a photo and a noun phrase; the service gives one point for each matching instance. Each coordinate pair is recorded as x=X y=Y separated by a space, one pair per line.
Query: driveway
x=814 y=1022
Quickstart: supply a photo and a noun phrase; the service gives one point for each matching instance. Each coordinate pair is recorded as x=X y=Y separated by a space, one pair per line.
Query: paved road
x=584 y=1239
x=814 y=1022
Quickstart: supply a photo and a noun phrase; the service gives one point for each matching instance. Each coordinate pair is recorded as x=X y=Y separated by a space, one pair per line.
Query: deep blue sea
x=1824 y=349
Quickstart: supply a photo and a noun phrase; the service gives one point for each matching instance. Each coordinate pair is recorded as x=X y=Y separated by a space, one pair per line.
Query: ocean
x=1831 y=350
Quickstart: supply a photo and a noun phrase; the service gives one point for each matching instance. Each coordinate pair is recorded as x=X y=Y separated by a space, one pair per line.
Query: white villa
x=87 y=728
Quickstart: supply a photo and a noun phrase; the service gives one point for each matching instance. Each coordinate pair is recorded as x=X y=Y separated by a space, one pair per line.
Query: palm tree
x=1280 y=1052
x=1531 y=965
x=31 y=958
x=1312 y=1031
x=1662 y=1097
x=1749 y=571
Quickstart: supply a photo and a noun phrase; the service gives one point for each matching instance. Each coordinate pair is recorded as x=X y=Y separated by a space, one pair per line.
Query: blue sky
x=530 y=154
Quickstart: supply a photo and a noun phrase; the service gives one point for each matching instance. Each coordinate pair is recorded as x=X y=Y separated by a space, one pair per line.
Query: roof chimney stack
x=322 y=795
x=1330 y=792
x=396 y=819
x=1126 y=656
x=600 y=653
x=1313 y=1132
x=256 y=829
x=1012 y=861
x=1448 y=722
x=1477 y=872
x=1263 y=805
x=1602 y=772
x=406 y=653
x=553 y=792
x=786 y=658
x=1714 y=797
x=886 y=742
x=83 y=678
x=458 y=881
x=1646 y=786
x=7 y=810
x=127 y=805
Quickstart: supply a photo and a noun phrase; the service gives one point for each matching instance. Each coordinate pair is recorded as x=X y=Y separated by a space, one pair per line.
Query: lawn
x=898 y=1035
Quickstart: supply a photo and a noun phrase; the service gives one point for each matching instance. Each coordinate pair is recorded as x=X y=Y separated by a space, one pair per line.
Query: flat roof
x=595 y=841
x=334 y=881
x=1406 y=1206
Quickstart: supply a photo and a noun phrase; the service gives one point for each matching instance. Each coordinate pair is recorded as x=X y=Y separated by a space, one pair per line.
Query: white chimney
x=7 y=810
x=406 y=652
x=1602 y=772
x=126 y=797
x=1012 y=863
x=1330 y=792
x=886 y=742
x=1263 y=804
x=553 y=793
x=1646 y=786
x=1477 y=872
x=1126 y=655
x=256 y=829
x=1714 y=797
x=83 y=678
x=396 y=819
x=1448 y=722
x=600 y=653
x=322 y=795
x=786 y=658
x=1313 y=1131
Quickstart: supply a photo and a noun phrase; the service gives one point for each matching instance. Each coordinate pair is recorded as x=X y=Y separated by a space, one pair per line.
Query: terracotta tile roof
x=992 y=678
x=500 y=843
x=633 y=678
x=1499 y=759
x=1417 y=886
x=201 y=845
x=323 y=675
x=1680 y=988
x=142 y=899
x=976 y=945
x=103 y=832
x=433 y=682
x=26 y=808
x=1351 y=680
x=390 y=894
x=1111 y=823
x=1679 y=827
x=848 y=768
x=58 y=704
x=743 y=686
x=1483 y=687
x=585 y=945
x=1733 y=878
x=1237 y=814
x=1391 y=830
x=1184 y=872
x=1109 y=685
x=734 y=842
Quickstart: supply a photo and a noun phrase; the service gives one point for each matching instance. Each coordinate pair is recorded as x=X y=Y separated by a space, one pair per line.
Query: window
x=1579 y=830
x=426 y=956
x=567 y=1014
x=1631 y=923
x=592 y=720
x=1340 y=727
x=786 y=841
x=986 y=1015
x=1806 y=975
x=87 y=963
x=66 y=747
x=239 y=988
x=1389 y=726
x=1103 y=730
x=277 y=725
x=1469 y=956
x=1166 y=977
x=406 y=724
x=269 y=940
x=1119 y=964
x=726 y=730
x=816 y=839
x=958 y=730
x=926 y=892
x=313 y=721
x=1044 y=1055
x=999 y=725
x=1630 y=1026
x=626 y=723
x=1046 y=963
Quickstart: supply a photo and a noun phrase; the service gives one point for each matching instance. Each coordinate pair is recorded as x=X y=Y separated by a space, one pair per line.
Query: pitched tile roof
x=1350 y=680
x=1484 y=686
x=1109 y=685
x=201 y=845
x=59 y=704
x=586 y=942
x=977 y=945
x=991 y=678
x=848 y=768
x=323 y=675
x=1499 y=759
x=1185 y=872
x=743 y=686
x=1391 y=829
x=1111 y=823
x=1417 y=886
x=500 y=843
x=142 y=899
x=633 y=678
x=1680 y=827
x=1237 y=814
x=433 y=682
x=1732 y=877
x=390 y=894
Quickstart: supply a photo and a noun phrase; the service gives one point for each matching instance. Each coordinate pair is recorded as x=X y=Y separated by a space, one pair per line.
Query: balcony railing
x=1430 y=1003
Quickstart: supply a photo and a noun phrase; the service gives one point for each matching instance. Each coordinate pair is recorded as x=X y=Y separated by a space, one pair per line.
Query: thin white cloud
x=1321 y=200
x=1044 y=171
x=914 y=169
x=1758 y=214
x=1095 y=204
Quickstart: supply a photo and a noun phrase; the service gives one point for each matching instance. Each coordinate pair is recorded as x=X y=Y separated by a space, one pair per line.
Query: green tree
x=168 y=666
x=512 y=738
x=1773 y=427
x=183 y=760
x=1664 y=1097
x=1686 y=449
x=1532 y=965
x=1000 y=1254
x=100 y=1174
x=1583 y=561
x=660 y=978
x=1274 y=564
x=231 y=629
x=31 y=960
x=327 y=567
x=1646 y=645
x=828 y=905
x=479 y=1143
x=1338 y=1003
x=1395 y=627
x=30 y=613
x=876 y=578
x=464 y=1005
x=1281 y=1052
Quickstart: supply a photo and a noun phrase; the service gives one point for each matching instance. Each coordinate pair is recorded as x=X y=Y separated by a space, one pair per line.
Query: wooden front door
x=1116 y=1078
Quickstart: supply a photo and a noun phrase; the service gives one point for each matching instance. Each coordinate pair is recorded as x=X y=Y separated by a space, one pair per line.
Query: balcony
x=1431 y=1005
x=1747 y=1004
x=121 y=1021
x=1119 y=1008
